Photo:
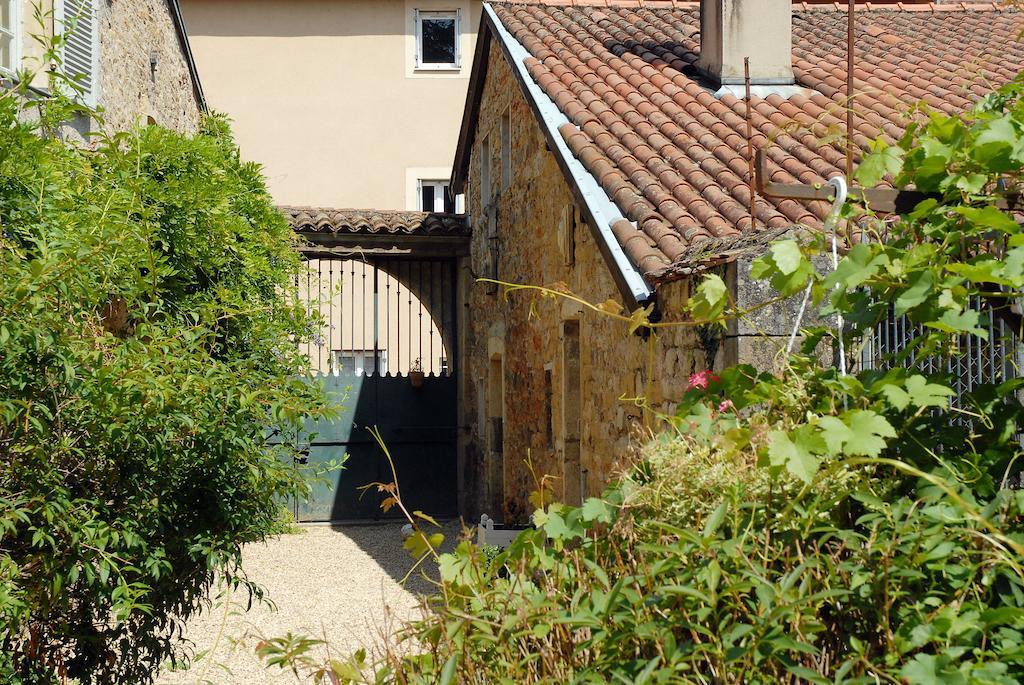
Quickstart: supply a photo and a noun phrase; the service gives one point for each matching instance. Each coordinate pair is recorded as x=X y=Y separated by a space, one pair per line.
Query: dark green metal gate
x=387 y=353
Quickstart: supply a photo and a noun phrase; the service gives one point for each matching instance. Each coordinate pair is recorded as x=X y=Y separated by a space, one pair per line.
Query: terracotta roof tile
x=674 y=158
x=325 y=220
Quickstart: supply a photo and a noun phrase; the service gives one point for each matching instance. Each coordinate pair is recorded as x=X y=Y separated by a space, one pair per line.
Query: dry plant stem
x=551 y=292
x=216 y=642
x=375 y=432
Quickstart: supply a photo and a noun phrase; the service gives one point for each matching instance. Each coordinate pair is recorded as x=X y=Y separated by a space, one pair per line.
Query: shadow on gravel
x=383 y=542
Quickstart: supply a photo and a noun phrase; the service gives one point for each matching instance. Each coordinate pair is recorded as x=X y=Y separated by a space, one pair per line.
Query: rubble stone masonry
x=133 y=90
x=542 y=379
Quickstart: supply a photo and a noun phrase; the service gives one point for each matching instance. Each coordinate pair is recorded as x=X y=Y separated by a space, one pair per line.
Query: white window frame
x=439 y=187
x=362 y=361
x=421 y=15
x=14 y=8
x=91 y=97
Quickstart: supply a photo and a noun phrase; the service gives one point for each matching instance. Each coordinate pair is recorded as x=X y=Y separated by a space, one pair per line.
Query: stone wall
x=520 y=360
x=132 y=89
x=761 y=337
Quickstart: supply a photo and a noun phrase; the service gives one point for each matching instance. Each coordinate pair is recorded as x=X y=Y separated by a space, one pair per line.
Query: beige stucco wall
x=524 y=336
x=325 y=95
x=131 y=31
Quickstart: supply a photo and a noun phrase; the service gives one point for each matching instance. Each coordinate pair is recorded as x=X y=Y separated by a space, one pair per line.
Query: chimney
x=759 y=29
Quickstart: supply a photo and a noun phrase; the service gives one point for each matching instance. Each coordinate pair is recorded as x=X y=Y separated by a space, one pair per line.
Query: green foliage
x=147 y=349
x=898 y=568
x=710 y=298
x=806 y=527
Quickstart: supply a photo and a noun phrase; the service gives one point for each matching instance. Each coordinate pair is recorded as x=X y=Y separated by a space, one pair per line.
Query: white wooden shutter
x=78 y=22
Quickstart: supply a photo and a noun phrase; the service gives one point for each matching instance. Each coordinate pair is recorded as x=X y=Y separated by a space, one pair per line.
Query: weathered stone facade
x=133 y=89
x=534 y=368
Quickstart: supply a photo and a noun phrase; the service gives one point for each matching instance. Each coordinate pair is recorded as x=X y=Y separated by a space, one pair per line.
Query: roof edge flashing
x=600 y=210
x=739 y=91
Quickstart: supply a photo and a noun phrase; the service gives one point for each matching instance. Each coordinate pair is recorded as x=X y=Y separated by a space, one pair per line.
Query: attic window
x=436 y=196
x=437 y=39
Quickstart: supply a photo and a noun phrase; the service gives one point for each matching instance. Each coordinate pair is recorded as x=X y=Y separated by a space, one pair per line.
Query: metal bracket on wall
x=881 y=200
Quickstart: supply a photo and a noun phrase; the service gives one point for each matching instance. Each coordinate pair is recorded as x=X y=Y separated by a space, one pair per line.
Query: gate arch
x=386 y=285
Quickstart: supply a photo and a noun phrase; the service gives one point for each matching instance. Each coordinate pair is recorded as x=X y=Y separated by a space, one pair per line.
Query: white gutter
x=601 y=211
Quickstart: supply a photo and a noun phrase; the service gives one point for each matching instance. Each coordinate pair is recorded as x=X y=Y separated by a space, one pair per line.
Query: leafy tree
x=147 y=350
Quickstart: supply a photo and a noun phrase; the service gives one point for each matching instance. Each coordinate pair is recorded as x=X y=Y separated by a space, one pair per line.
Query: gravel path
x=341 y=583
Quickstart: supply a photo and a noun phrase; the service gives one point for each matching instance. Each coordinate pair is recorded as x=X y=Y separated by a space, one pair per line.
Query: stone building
x=605 y=151
x=131 y=58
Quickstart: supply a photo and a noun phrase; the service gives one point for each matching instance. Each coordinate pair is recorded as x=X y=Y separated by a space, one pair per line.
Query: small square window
x=437 y=40
x=436 y=196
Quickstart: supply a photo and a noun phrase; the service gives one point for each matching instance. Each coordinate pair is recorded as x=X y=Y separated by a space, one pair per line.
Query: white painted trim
x=604 y=211
x=413 y=176
x=439 y=184
x=465 y=37
x=91 y=98
x=17 y=30
x=420 y=16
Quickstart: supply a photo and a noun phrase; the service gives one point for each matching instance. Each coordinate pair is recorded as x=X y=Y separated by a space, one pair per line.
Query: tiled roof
x=371 y=221
x=674 y=158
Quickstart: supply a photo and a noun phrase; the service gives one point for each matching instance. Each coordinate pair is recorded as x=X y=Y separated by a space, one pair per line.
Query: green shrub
x=806 y=527
x=146 y=348
x=874 y=570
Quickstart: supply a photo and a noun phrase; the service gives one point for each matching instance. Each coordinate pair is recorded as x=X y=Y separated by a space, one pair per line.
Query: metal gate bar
x=381 y=315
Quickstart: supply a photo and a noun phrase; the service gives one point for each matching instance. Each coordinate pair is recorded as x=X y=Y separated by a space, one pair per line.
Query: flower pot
x=416 y=379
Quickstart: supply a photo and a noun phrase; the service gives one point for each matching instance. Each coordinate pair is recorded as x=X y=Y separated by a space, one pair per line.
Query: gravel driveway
x=340 y=582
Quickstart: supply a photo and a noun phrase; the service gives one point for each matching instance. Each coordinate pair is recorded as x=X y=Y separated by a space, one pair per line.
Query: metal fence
x=973 y=362
x=381 y=316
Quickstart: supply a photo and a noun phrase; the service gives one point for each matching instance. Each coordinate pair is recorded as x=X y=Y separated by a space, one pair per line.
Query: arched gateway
x=386 y=286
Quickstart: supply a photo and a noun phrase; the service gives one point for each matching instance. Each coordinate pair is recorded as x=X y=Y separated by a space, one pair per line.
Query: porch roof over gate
x=356 y=221
x=388 y=232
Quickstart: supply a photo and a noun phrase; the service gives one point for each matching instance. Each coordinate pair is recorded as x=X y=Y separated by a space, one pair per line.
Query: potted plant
x=416 y=374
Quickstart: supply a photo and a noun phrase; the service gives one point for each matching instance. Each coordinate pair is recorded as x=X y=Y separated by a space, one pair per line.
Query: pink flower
x=727 y=405
x=701 y=379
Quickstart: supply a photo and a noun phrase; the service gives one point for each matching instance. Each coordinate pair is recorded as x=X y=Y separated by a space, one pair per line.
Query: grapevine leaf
x=882 y=161
x=917 y=293
x=959 y=322
x=925 y=394
x=835 y=433
x=868 y=432
x=709 y=301
x=787 y=256
x=796 y=452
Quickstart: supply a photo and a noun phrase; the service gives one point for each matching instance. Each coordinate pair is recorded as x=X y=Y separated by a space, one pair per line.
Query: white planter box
x=490 y=533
